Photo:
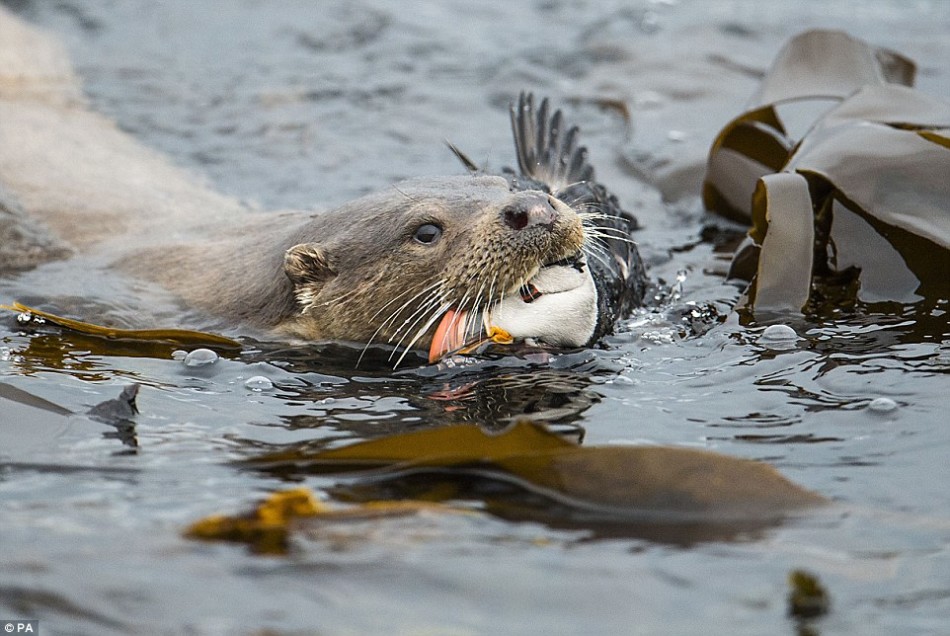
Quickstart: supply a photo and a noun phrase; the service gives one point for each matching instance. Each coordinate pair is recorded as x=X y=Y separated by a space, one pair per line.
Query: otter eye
x=428 y=234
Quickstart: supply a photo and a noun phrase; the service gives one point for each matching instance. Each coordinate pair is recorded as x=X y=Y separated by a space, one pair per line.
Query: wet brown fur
x=343 y=273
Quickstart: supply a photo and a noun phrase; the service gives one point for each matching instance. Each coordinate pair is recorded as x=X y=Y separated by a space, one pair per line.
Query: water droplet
x=26 y=318
x=200 y=358
x=660 y=337
x=779 y=337
x=258 y=383
x=882 y=405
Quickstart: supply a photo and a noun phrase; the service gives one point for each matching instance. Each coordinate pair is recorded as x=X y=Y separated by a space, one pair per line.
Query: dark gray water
x=302 y=104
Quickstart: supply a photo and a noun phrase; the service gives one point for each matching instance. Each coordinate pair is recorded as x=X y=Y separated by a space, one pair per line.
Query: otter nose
x=530 y=211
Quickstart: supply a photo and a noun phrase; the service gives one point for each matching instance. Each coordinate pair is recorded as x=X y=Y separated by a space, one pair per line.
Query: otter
x=542 y=254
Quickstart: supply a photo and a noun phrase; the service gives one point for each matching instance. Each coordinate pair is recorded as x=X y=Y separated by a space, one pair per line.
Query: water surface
x=288 y=106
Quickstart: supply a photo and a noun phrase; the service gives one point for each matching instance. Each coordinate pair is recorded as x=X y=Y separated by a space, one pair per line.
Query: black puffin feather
x=551 y=159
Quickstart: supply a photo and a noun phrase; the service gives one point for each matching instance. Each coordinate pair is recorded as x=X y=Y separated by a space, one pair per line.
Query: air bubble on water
x=779 y=337
x=659 y=336
x=882 y=405
x=179 y=354
x=5 y=354
x=258 y=383
x=200 y=358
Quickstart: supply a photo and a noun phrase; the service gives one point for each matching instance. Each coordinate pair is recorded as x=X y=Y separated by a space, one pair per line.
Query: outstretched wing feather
x=551 y=159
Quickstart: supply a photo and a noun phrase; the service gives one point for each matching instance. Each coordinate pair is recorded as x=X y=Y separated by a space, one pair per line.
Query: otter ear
x=307 y=264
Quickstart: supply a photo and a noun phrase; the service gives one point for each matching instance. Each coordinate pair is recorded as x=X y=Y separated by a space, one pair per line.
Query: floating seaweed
x=180 y=337
x=528 y=472
x=855 y=209
x=268 y=527
x=807 y=597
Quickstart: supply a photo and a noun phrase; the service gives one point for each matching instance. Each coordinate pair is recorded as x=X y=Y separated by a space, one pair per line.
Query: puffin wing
x=547 y=153
x=550 y=159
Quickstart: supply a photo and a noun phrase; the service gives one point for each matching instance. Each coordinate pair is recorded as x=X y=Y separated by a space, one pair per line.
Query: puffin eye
x=428 y=234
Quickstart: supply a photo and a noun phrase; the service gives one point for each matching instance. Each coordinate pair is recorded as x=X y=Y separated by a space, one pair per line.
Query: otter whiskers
x=433 y=307
x=440 y=310
x=394 y=315
x=436 y=299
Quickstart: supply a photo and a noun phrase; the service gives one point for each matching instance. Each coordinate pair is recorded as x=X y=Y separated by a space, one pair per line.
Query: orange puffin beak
x=450 y=336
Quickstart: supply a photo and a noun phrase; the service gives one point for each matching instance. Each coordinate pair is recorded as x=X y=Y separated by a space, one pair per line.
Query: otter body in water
x=542 y=253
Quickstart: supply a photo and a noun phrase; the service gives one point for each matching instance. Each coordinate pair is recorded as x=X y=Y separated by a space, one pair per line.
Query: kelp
x=268 y=527
x=807 y=597
x=860 y=202
x=265 y=529
x=29 y=420
x=175 y=337
x=15 y=394
x=609 y=484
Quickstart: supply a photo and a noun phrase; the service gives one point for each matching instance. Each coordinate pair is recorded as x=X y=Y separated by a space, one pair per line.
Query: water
x=287 y=106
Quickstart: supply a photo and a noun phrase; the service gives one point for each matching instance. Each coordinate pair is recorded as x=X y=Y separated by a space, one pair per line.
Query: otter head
x=432 y=263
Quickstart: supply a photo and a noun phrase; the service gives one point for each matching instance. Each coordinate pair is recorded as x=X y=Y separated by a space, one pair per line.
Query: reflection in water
x=528 y=473
x=510 y=498
x=346 y=389
x=50 y=348
x=43 y=420
x=120 y=413
x=489 y=393
x=54 y=352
